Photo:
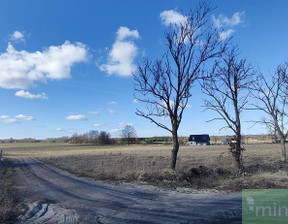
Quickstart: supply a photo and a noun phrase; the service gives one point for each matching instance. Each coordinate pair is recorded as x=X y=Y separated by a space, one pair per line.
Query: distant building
x=199 y=140
x=227 y=141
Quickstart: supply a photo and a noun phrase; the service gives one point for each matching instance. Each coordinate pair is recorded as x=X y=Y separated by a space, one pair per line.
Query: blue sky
x=65 y=66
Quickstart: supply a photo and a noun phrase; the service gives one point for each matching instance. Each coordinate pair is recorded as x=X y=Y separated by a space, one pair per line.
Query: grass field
x=10 y=208
x=197 y=166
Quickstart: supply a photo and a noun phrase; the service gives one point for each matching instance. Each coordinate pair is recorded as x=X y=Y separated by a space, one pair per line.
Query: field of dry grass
x=197 y=166
x=10 y=208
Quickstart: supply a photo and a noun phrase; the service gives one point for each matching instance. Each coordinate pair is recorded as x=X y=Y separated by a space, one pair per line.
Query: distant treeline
x=23 y=140
x=104 y=138
x=98 y=138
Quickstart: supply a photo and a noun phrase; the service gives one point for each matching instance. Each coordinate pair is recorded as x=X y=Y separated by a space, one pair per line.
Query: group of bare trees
x=231 y=85
x=128 y=136
x=92 y=137
x=270 y=93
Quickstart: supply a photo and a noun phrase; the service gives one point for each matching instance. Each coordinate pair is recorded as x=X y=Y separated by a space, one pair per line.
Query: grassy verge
x=198 y=168
x=9 y=204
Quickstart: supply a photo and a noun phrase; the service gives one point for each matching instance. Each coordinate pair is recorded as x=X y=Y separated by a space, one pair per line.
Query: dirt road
x=54 y=196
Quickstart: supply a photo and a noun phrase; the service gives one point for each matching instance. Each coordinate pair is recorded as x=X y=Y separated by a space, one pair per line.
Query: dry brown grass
x=197 y=166
x=10 y=208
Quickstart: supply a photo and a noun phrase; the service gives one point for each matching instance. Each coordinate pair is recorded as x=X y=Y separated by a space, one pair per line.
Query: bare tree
x=227 y=93
x=165 y=84
x=128 y=134
x=271 y=128
x=270 y=93
x=104 y=138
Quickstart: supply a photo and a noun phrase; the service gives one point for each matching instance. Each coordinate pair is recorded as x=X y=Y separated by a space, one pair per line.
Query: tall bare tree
x=165 y=84
x=270 y=93
x=227 y=92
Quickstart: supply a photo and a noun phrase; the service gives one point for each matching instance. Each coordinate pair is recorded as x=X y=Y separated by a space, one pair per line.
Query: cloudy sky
x=66 y=66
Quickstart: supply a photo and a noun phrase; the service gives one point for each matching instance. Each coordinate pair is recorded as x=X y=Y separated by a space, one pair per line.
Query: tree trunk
x=283 y=149
x=238 y=150
x=275 y=134
x=174 y=151
x=238 y=156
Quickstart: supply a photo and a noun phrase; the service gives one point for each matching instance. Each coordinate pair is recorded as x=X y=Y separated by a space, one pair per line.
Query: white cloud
x=94 y=112
x=111 y=111
x=135 y=101
x=66 y=130
x=122 y=55
x=6 y=119
x=123 y=125
x=28 y=95
x=22 y=69
x=172 y=17
x=115 y=132
x=24 y=117
x=17 y=36
x=77 y=117
x=224 y=21
x=112 y=103
x=226 y=34
x=163 y=105
x=4 y=116
x=124 y=32
x=10 y=121
x=98 y=125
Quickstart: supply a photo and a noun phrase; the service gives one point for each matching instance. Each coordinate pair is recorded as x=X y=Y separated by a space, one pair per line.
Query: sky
x=66 y=66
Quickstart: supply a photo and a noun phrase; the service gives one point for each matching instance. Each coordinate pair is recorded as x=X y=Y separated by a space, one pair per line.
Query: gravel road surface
x=55 y=196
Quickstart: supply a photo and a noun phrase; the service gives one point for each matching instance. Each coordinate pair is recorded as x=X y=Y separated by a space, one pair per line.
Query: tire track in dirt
x=59 y=194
